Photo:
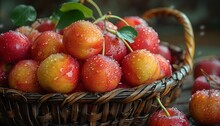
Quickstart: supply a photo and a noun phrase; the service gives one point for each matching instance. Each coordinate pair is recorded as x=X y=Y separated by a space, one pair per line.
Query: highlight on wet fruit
x=204 y=107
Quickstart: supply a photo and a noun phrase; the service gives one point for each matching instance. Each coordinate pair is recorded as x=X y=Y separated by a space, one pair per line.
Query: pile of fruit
x=82 y=55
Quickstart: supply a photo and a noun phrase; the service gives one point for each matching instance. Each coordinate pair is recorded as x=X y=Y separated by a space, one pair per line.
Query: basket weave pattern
x=120 y=107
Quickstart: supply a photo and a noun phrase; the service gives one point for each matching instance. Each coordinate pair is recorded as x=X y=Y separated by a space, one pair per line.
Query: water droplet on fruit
x=139 y=77
x=61 y=69
x=17 y=46
x=55 y=78
x=69 y=74
x=39 y=53
x=97 y=71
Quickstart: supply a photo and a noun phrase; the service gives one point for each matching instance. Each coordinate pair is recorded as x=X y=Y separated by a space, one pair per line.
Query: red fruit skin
x=106 y=24
x=160 y=118
x=132 y=21
x=114 y=47
x=3 y=77
x=79 y=88
x=210 y=66
x=82 y=39
x=14 y=46
x=101 y=74
x=164 y=65
x=49 y=42
x=23 y=76
x=147 y=39
x=204 y=107
x=164 y=51
x=46 y=25
x=200 y=83
x=4 y=71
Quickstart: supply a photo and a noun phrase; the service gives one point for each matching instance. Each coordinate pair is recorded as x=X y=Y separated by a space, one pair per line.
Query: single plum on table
x=206 y=82
x=204 y=107
x=210 y=65
x=176 y=118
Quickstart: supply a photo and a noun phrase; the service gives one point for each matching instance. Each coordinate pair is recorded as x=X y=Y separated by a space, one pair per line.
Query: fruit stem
x=161 y=105
x=209 y=79
x=117 y=17
x=103 y=48
x=107 y=16
x=96 y=7
x=100 y=19
x=126 y=43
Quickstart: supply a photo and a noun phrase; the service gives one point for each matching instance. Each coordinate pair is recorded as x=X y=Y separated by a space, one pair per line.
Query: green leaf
x=68 y=18
x=87 y=12
x=55 y=17
x=23 y=14
x=128 y=33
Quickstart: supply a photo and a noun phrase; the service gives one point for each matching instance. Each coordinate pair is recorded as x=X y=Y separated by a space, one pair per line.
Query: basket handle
x=188 y=31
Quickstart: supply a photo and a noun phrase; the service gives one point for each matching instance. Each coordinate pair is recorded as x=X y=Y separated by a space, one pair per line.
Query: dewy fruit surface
x=204 y=107
x=14 y=46
x=101 y=74
x=58 y=73
x=114 y=47
x=49 y=42
x=140 y=67
x=23 y=76
x=132 y=21
x=147 y=38
x=83 y=39
x=176 y=118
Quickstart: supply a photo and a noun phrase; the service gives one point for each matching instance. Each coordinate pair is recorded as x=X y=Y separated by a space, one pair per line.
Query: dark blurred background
x=203 y=14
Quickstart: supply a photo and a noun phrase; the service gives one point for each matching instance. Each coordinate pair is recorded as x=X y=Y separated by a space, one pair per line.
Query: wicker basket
x=120 y=107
